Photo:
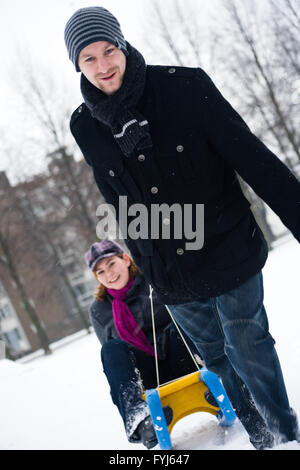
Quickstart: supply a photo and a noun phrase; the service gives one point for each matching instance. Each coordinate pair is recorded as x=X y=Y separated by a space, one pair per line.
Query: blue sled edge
x=212 y=381
x=158 y=419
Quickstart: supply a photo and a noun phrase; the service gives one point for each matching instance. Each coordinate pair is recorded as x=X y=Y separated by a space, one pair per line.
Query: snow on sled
x=186 y=395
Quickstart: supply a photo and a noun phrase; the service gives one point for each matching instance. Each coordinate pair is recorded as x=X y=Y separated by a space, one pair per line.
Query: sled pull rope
x=183 y=339
x=154 y=336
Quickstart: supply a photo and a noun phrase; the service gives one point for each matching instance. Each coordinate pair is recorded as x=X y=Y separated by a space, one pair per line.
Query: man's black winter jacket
x=199 y=143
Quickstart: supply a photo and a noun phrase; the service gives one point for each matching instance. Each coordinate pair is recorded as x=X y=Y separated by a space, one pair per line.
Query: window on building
x=6 y=311
x=13 y=338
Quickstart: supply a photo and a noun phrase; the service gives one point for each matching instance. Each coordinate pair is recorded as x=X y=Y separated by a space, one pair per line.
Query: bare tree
x=262 y=77
x=178 y=32
x=177 y=29
x=44 y=234
x=46 y=103
x=263 y=65
x=13 y=245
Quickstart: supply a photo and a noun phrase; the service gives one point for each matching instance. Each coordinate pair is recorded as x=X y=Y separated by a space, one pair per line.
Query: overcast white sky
x=36 y=27
x=40 y=23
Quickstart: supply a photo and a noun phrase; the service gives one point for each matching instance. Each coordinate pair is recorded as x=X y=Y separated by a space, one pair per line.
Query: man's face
x=103 y=64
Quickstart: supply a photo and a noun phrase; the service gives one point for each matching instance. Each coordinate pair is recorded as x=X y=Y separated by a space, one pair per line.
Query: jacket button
x=172 y=70
x=179 y=251
x=111 y=173
x=166 y=221
x=154 y=190
x=141 y=158
x=180 y=148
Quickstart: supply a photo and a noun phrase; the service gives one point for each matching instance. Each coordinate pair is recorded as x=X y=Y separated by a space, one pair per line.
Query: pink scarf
x=125 y=323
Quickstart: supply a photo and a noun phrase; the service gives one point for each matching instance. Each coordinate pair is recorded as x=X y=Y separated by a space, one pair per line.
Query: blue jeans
x=232 y=335
x=125 y=365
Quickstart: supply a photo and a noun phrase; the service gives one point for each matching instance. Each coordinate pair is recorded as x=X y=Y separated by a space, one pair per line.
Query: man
x=165 y=135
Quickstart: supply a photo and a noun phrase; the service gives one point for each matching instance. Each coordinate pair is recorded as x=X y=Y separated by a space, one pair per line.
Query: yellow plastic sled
x=199 y=391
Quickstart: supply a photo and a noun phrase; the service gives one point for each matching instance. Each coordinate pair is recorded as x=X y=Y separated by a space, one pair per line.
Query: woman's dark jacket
x=199 y=143
x=138 y=301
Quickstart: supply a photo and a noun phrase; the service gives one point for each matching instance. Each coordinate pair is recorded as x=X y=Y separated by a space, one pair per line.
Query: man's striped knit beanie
x=92 y=24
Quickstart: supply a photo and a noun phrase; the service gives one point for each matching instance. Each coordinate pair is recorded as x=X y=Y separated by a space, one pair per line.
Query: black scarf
x=118 y=111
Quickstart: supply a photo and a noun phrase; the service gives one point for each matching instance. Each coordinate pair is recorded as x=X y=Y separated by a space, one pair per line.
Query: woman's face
x=113 y=271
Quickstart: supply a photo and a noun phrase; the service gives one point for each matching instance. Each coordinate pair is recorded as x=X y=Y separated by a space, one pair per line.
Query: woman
x=121 y=317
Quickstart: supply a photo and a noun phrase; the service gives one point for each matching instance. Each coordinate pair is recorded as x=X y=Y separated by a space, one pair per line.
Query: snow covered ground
x=62 y=401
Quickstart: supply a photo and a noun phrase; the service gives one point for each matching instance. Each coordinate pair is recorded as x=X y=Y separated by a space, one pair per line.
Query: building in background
x=11 y=329
x=47 y=224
